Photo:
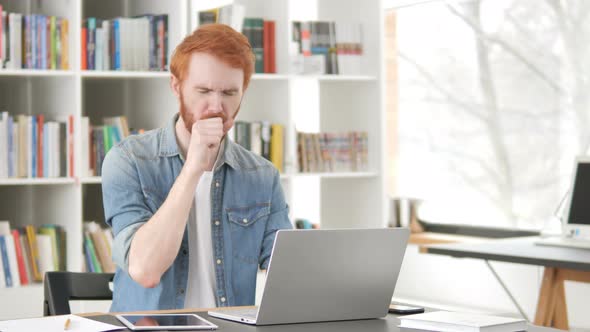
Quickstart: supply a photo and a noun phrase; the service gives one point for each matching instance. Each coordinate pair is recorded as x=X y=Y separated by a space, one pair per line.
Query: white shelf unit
x=308 y=103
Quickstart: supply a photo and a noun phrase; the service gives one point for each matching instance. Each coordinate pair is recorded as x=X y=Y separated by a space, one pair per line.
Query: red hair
x=220 y=41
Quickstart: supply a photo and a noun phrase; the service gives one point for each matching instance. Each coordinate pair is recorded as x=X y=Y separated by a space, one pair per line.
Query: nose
x=215 y=102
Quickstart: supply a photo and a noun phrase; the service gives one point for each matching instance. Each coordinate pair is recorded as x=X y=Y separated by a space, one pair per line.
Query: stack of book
x=27 y=253
x=33 y=41
x=231 y=14
x=328 y=47
x=97 y=248
x=98 y=140
x=34 y=148
x=332 y=152
x=262 y=138
x=260 y=33
x=139 y=43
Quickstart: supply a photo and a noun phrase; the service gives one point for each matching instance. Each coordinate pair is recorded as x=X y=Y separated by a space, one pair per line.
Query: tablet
x=139 y=322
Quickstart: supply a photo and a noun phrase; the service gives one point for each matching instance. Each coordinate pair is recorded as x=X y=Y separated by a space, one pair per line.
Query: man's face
x=210 y=89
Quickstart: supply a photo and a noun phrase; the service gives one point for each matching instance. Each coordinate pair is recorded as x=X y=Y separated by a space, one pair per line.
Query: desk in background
x=560 y=264
x=387 y=324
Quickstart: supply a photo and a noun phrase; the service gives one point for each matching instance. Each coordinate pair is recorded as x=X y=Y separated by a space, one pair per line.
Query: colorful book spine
x=33 y=252
x=84 y=48
x=5 y=261
x=53 y=38
x=40 y=135
x=276 y=146
x=20 y=257
x=95 y=262
x=65 y=45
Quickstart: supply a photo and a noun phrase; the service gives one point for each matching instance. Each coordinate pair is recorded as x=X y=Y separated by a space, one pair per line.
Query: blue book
x=43 y=32
x=116 y=135
x=91 y=55
x=117 y=35
x=4 y=251
x=89 y=263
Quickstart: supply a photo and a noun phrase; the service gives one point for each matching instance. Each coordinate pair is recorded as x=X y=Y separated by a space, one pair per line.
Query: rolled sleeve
x=124 y=202
x=278 y=219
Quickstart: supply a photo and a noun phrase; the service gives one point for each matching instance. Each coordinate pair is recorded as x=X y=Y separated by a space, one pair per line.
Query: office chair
x=61 y=287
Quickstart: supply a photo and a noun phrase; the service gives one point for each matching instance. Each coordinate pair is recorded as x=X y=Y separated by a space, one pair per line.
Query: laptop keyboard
x=564 y=242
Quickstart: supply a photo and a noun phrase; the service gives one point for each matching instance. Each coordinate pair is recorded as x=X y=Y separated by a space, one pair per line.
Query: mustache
x=221 y=115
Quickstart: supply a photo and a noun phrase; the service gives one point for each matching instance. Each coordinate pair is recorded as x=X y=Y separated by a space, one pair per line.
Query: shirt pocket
x=247 y=216
x=247 y=225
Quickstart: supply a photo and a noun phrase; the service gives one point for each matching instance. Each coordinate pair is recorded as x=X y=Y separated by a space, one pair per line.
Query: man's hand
x=204 y=144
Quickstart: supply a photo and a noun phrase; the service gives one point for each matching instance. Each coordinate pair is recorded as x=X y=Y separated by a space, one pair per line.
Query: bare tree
x=558 y=78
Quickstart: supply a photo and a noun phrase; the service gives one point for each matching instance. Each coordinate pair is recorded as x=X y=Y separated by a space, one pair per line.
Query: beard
x=189 y=119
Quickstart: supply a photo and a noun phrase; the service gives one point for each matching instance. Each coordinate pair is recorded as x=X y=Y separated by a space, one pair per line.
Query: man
x=194 y=214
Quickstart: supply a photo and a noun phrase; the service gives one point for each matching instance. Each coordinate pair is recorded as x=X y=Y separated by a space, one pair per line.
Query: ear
x=175 y=86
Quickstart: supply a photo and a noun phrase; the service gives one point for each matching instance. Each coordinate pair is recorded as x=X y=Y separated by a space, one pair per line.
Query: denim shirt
x=247 y=208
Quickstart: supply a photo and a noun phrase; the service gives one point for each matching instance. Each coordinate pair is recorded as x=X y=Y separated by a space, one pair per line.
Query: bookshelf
x=313 y=103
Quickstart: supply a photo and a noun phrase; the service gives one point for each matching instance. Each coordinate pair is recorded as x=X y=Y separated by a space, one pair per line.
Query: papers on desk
x=55 y=324
x=461 y=322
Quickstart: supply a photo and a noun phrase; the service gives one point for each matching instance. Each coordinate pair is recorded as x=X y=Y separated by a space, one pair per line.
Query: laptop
x=327 y=275
x=576 y=226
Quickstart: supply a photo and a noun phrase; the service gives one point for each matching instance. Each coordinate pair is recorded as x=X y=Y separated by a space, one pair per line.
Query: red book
x=20 y=260
x=160 y=44
x=273 y=62
x=266 y=46
x=40 y=120
x=2 y=55
x=84 y=44
x=71 y=144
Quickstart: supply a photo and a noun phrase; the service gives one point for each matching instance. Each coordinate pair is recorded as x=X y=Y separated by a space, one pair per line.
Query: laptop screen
x=579 y=213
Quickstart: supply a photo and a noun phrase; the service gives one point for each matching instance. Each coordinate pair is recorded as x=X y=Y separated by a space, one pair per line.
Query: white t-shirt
x=200 y=288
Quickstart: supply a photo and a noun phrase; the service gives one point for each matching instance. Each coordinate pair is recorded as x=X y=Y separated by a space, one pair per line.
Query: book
x=45 y=254
x=51 y=231
x=12 y=262
x=276 y=146
x=2 y=274
x=461 y=322
x=26 y=256
x=20 y=258
x=95 y=264
x=5 y=261
x=33 y=252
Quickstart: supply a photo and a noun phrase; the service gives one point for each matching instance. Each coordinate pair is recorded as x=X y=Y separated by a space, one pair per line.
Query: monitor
x=577 y=222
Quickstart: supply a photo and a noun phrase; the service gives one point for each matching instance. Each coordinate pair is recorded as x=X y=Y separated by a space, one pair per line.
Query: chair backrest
x=61 y=287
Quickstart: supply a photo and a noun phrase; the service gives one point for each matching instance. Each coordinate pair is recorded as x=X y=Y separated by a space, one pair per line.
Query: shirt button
x=223 y=299
x=216 y=183
x=181 y=291
x=218 y=261
x=184 y=252
x=245 y=221
x=217 y=222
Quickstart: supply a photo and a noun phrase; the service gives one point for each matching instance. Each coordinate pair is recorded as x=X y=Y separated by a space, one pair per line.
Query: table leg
x=545 y=304
x=560 y=320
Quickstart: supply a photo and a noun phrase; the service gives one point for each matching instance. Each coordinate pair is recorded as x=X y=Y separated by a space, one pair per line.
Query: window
x=493 y=107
